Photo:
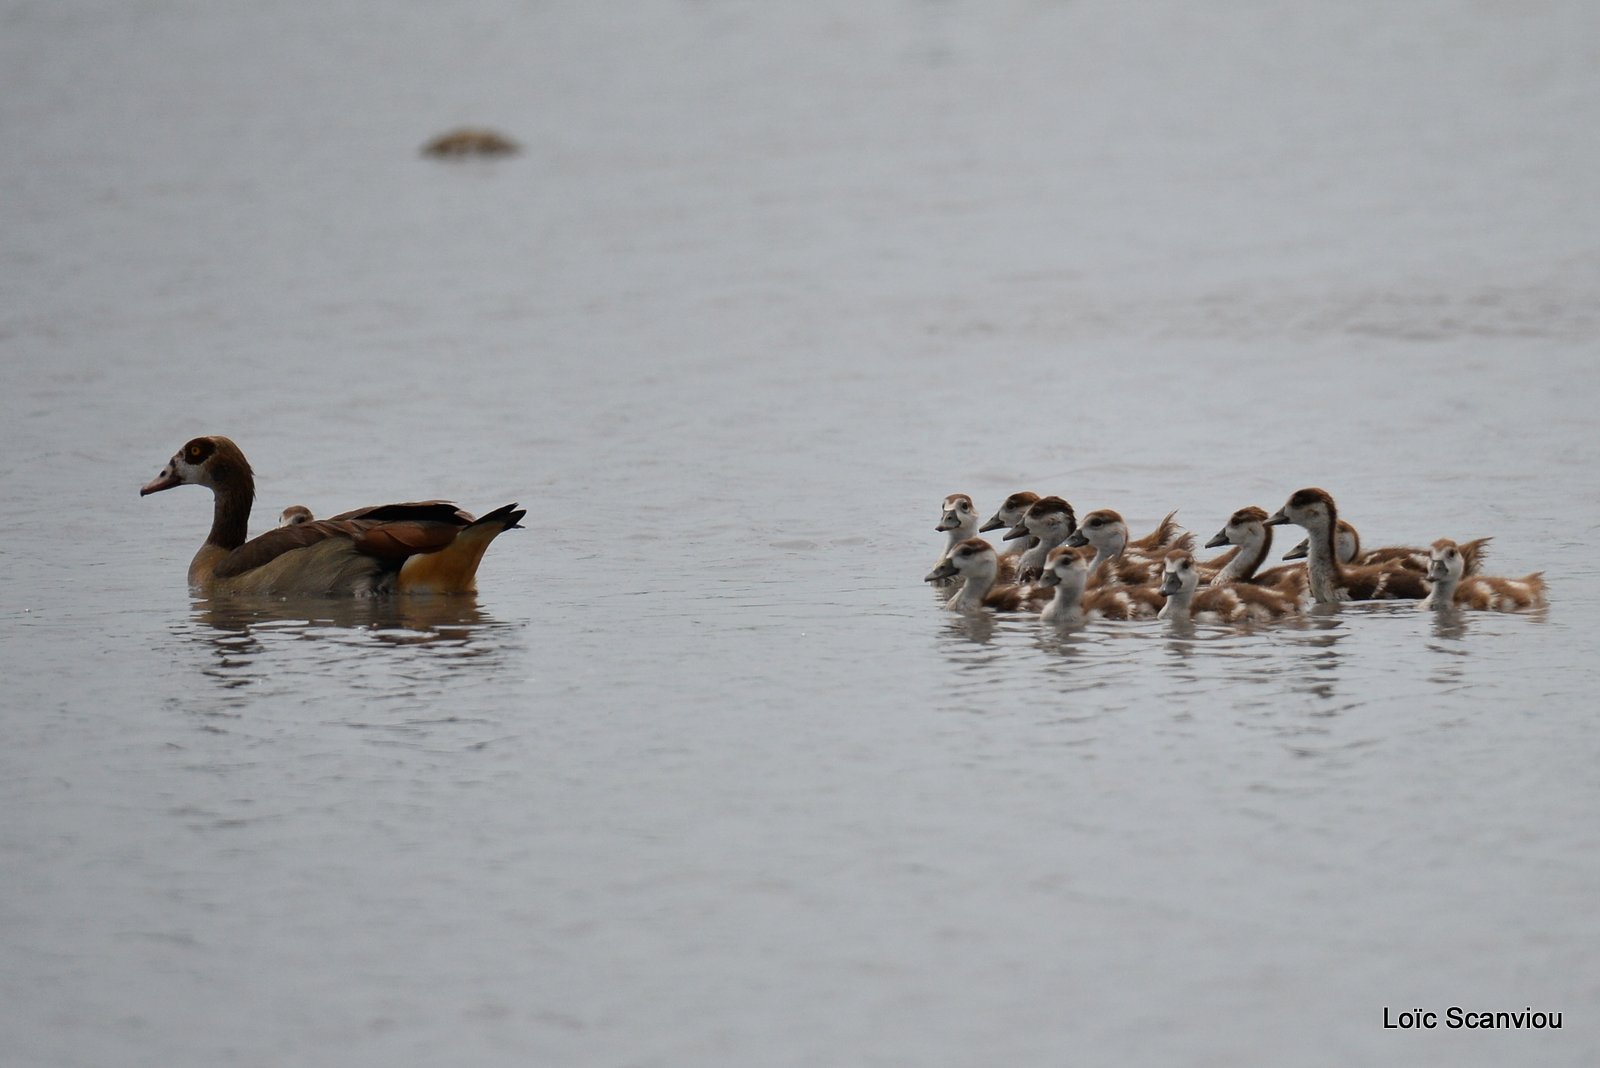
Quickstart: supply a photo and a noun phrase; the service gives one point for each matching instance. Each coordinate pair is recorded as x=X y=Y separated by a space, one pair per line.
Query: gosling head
x=1179 y=574
x=1311 y=508
x=1049 y=519
x=972 y=558
x=1104 y=529
x=1010 y=511
x=1240 y=526
x=958 y=514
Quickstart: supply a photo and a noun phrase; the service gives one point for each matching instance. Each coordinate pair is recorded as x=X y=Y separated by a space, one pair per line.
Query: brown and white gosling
x=976 y=565
x=1247 y=531
x=294 y=515
x=1132 y=563
x=1067 y=571
x=1049 y=521
x=1454 y=588
x=1330 y=580
x=958 y=521
x=1236 y=602
x=1009 y=515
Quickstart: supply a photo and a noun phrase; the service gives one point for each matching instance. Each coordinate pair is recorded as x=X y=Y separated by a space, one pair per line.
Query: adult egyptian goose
x=1049 y=521
x=1247 y=531
x=1235 y=602
x=975 y=562
x=1454 y=588
x=294 y=515
x=1330 y=580
x=1118 y=560
x=1067 y=572
x=423 y=547
x=1414 y=558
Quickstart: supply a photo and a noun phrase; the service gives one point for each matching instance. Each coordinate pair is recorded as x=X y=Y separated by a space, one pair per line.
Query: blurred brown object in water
x=471 y=141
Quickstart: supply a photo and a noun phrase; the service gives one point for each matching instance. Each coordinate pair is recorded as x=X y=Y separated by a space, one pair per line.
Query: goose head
x=1049 y=519
x=1310 y=508
x=1068 y=568
x=1445 y=562
x=294 y=515
x=972 y=559
x=958 y=518
x=1104 y=529
x=214 y=462
x=1346 y=542
x=1011 y=511
x=1179 y=576
x=1241 y=527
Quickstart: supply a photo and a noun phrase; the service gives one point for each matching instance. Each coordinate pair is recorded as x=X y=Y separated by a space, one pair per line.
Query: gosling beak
x=1278 y=519
x=943 y=571
x=994 y=523
x=1170 y=584
x=1049 y=578
x=1077 y=540
x=1018 y=531
x=1219 y=538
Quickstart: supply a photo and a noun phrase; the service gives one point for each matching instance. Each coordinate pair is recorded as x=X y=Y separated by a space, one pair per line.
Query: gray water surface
x=703 y=775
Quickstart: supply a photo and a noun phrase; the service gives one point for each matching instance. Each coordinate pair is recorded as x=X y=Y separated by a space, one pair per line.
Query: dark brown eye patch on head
x=198 y=449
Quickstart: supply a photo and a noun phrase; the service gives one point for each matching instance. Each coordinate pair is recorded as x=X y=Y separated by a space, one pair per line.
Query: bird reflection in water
x=241 y=629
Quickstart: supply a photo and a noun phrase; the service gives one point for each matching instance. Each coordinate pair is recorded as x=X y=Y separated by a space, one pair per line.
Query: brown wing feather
x=391 y=541
x=258 y=552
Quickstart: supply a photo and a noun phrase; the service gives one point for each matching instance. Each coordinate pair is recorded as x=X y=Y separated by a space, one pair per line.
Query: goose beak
x=1077 y=540
x=1014 y=533
x=944 y=570
x=994 y=523
x=164 y=481
x=1170 y=584
x=1278 y=519
x=1219 y=538
x=1049 y=578
x=1299 y=551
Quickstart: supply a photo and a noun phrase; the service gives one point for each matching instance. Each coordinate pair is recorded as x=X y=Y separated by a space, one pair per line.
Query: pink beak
x=165 y=480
